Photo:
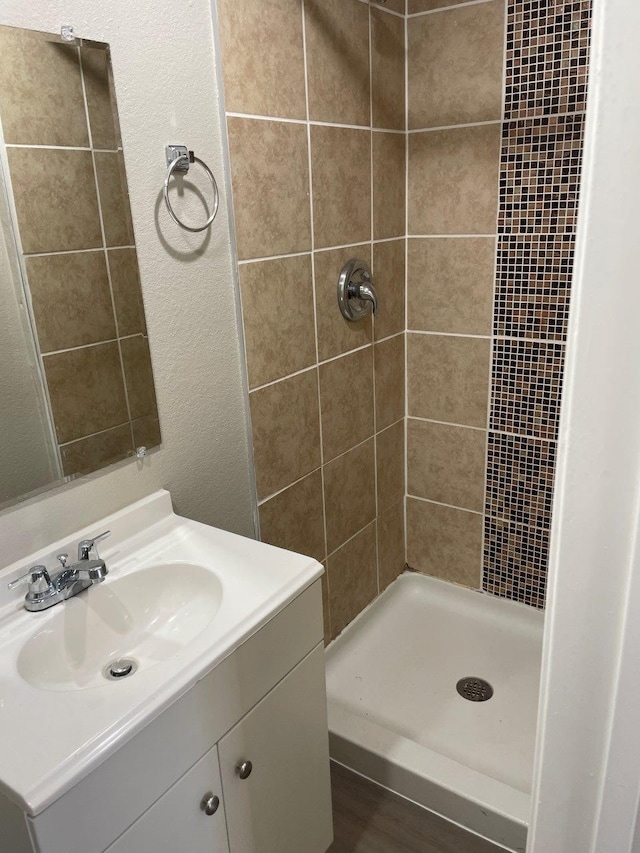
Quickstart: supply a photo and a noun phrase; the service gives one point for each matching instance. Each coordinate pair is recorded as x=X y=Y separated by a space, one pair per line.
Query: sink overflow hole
x=120 y=668
x=474 y=689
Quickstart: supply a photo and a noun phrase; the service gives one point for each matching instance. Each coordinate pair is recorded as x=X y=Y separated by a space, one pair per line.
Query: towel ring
x=179 y=159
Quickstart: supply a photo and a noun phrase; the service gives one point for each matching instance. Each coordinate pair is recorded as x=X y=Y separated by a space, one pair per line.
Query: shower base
x=396 y=717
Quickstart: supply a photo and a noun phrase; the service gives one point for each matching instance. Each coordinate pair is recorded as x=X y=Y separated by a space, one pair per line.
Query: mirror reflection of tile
x=66 y=177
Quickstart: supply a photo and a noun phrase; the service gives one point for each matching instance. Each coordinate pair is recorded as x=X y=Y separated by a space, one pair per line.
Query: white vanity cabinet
x=265 y=704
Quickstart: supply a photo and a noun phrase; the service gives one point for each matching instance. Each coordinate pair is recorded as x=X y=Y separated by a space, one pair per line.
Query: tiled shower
x=442 y=144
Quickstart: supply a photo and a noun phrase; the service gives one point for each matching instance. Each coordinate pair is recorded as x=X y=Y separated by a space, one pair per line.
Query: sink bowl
x=149 y=615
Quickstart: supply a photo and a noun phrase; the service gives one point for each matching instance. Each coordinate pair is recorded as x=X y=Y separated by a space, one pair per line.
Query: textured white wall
x=163 y=60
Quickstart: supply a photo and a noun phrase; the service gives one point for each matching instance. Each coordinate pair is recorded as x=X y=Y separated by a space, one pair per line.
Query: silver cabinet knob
x=244 y=769
x=210 y=803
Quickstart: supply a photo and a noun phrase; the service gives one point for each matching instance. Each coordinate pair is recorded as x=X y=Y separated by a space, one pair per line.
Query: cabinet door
x=176 y=823
x=284 y=804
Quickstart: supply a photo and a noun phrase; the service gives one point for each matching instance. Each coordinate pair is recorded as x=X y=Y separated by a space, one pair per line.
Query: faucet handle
x=84 y=547
x=39 y=580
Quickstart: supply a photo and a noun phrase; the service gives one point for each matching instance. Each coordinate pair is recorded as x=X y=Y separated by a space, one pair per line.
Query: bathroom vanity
x=217 y=739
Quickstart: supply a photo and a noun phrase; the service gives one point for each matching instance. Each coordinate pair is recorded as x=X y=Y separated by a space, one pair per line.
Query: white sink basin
x=149 y=616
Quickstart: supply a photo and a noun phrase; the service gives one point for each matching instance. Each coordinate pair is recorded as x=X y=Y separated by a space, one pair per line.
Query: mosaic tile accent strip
x=526 y=381
x=518 y=557
x=540 y=175
x=520 y=479
x=547 y=57
x=533 y=285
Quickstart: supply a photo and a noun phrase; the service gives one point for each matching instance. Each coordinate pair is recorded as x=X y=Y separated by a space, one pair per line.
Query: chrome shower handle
x=356 y=291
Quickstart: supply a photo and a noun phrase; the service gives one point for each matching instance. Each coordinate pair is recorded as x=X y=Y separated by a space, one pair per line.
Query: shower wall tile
x=341 y=168
x=338 y=74
x=86 y=390
x=40 y=97
x=446 y=463
x=71 y=299
x=448 y=378
x=114 y=199
x=389 y=275
x=390 y=465
x=335 y=334
x=270 y=175
x=389 y=185
x=322 y=438
x=346 y=402
x=96 y=451
x=286 y=431
x=389 y=381
x=353 y=578
x=416 y=6
x=454 y=180
x=455 y=68
x=350 y=493
x=127 y=294
x=444 y=542
x=294 y=519
x=103 y=118
x=278 y=342
x=450 y=283
x=517 y=559
x=387 y=58
x=55 y=197
x=391 y=550
x=262 y=57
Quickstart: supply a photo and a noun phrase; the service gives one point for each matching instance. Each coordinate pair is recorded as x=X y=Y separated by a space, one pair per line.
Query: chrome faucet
x=46 y=590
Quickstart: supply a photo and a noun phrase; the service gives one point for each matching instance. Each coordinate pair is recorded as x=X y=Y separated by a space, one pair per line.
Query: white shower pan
x=396 y=717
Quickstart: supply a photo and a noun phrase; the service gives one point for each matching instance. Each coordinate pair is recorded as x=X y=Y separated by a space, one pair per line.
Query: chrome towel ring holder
x=179 y=158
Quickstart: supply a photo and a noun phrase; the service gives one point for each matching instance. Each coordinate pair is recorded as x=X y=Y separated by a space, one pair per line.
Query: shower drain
x=474 y=689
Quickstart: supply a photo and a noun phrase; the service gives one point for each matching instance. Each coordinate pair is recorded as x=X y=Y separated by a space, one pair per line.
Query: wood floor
x=370 y=819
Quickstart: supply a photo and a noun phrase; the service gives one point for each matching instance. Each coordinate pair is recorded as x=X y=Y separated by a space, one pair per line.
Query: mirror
x=76 y=384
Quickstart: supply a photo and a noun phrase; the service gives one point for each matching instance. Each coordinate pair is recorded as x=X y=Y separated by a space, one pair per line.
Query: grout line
x=49 y=147
x=414 y=130
x=382 y=8
x=93 y=344
x=445 y=236
x=411 y=15
x=448 y=334
x=449 y=506
x=406 y=279
x=313 y=123
x=73 y=251
x=445 y=423
x=351 y=538
x=306 y=251
x=93 y=434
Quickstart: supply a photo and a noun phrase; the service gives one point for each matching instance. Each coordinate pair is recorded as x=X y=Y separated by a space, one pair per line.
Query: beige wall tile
x=393 y=5
x=446 y=463
x=450 y=283
x=138 y=374
x=388 y=276
x=390 y=462
x=414 y=6
x=456 y=64
x=444 y=542
x=350 y=494
x=391 y=556
x=270 y=170
x=337 y=33
x=146 y=431
x=55 y=197
x=279 y=339
x=453 y=186
x=294 y=519
x=387 y=70
x=71 y=300
x=346 y=401
x=89 y=454
x=114 y=199
x=389 y=182
x=448 y=378
x=262 y=56
x=101 y=107
x=335 y=334
x=353 y=578
x=389 y=381
x=341 y=166
x=286 y=431
x=41 y=98
x=127 y=295
x=86 y=390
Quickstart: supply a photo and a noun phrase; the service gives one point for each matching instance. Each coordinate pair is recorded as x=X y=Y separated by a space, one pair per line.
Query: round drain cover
x=474 y=689
x=120 y=668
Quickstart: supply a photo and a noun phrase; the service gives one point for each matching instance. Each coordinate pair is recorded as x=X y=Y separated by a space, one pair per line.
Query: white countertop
x=50 y=739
